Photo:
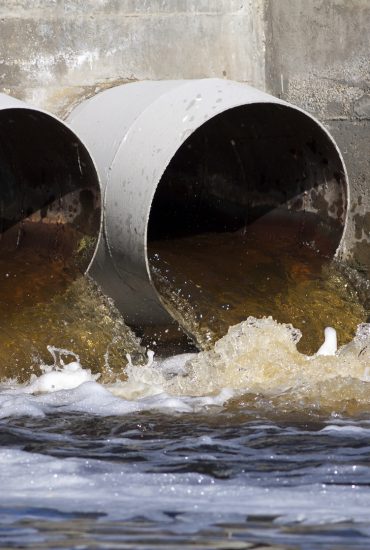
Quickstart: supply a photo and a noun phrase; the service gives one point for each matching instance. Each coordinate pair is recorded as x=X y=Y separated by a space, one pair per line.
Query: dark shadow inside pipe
x=50 y=197
x=49 y=205
x=248 y=164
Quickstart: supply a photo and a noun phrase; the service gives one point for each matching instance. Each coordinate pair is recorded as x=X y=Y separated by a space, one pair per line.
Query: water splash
x=256 y=366
x=212 y=281
x=258 y=360
x=54 y=378
x=78 y=317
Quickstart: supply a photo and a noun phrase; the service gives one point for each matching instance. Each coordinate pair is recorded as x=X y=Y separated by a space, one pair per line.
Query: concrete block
x=84 y=44
x=317 y=54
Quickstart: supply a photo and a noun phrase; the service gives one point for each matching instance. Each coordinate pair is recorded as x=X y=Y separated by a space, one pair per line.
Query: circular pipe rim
x=165 y=107
x=9 y=103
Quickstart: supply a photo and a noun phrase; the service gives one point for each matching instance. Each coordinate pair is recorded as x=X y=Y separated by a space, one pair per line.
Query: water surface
x=219 y=479
x=173 y=457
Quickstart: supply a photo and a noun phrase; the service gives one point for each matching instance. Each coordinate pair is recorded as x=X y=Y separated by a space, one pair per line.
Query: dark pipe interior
x=50 y=197
x=247 y=164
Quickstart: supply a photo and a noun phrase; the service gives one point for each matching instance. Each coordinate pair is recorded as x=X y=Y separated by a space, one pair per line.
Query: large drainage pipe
x=153 y=142
x=50 y=211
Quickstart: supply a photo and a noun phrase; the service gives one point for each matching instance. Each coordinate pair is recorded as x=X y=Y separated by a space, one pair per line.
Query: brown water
x=46 y=300
x=211 y=281
x=248 y=445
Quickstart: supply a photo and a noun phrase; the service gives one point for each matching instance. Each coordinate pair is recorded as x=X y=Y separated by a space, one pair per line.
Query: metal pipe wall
x=260 y=154
x=50 y=191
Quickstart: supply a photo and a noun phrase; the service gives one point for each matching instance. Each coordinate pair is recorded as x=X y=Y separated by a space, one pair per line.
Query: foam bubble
x=68 y=377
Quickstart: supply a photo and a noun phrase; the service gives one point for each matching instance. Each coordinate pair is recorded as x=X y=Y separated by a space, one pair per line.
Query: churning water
x=278 y=266
x=251 y=443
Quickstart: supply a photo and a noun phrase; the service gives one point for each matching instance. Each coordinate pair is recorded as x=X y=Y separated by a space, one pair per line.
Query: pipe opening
x=49 y=206
x=253 y=164
x=50 y=219
x=245 y=214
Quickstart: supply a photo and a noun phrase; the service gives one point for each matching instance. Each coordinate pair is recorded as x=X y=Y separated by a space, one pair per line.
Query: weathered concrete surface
x=353 y=138
x=313 y=53
x=318 y=57
x=55 y=51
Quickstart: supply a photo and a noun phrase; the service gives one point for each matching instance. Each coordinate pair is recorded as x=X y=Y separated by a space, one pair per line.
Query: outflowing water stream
x=277 y=266
x=252 y=442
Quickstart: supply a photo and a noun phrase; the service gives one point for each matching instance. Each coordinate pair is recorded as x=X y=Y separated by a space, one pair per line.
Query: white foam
x=258 y=356
x=120 y=491
x=93 y=398
x=67 y=377
x=330 y=346
x=345 y=431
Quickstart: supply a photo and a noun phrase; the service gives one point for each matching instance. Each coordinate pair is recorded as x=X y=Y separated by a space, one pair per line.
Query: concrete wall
x=314 y=53
x=318 y=57
x=55 y=51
